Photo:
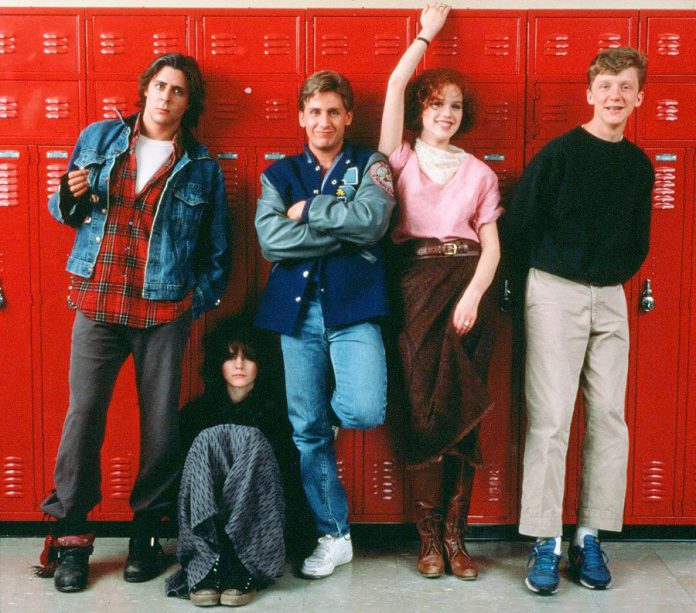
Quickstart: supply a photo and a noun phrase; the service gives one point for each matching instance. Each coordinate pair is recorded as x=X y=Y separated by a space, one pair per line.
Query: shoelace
x=546 y=558
x=323 y=550
x=595 y=558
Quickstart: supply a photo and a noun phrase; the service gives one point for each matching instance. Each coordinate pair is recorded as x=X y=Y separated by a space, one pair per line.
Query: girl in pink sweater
x=446 y=236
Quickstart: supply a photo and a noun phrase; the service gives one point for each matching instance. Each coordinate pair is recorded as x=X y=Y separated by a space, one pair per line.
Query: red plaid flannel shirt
x=114 y=292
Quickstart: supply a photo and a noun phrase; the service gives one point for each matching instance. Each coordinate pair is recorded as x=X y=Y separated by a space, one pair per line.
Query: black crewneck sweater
x=582 y=210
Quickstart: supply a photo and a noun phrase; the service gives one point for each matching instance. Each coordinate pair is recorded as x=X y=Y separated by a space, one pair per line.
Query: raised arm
x=432 y=19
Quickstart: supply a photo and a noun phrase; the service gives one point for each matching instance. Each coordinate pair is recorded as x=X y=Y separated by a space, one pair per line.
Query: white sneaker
x=329 y=553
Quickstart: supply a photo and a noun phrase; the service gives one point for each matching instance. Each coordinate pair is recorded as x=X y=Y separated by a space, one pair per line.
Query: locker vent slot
x=554 y=111
x=224 y=44
x=499 y=111
x=8 y=107
x=497 y=45
x=495 y=484
x=53 y=174
x=557 y=45
x=13 y=477
x=653 y=487
x=110 y=107
x=55 y=43
x=163 y=43
x=276 y=44
x=334 y=44
x=383 y=479
x=112 y=43
x=667 y=110
x=445 y=45
x=664 y=191
x=608 y=41
x=668 y=44
x=225 y=110
x=7 y=43
x=387 y=45
x=120 y=477
x=276 y=109
x=57 y=108
x=341 y=470
x=9 y=185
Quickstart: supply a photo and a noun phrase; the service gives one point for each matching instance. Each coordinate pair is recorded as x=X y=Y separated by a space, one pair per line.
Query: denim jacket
x=188 y=247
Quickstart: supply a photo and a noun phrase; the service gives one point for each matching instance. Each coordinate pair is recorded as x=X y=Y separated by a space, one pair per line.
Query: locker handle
x=647 y=301
x=506 y=297
x=3 y=302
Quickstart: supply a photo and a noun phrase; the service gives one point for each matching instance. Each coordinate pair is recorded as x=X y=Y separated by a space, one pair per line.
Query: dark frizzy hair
x=326 y=81
x=234 y=334
x=427 y=86
x=613 y=61
x=187 y=65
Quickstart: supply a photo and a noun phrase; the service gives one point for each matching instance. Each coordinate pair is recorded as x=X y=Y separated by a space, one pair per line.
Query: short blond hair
x=613 y=61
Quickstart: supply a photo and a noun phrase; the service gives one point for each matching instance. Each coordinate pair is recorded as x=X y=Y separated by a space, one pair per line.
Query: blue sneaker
x=542 y=567
x=588 y=564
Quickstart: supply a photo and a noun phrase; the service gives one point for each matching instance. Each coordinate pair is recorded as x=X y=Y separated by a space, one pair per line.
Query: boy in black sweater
x=578 y=225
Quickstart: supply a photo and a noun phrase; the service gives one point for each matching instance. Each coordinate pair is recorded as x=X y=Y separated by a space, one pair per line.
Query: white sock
x=557 y=539
x=581 y=532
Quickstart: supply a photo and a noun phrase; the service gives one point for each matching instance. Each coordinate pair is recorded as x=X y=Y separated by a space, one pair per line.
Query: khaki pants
x=576 y=333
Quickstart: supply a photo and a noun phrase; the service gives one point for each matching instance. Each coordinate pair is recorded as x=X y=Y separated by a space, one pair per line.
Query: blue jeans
x=333 y=375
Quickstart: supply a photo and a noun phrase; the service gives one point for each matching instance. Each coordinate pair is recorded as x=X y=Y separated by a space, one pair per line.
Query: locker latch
x=2 y=298
x=647 y=302
x=506 y=297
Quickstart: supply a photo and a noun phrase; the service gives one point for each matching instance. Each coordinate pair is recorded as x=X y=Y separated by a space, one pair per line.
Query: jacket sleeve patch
x=381 y=175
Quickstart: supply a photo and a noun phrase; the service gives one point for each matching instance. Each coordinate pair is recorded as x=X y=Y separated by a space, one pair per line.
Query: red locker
x=250 y=109
x=563 y=43
x=556 y=108
x=108 y=99
x=367 y=43
x=120 y=44
x=481 y=44
x=659 y=389
x=668 y=111
x=669 y=40
x=268 y=43
x=45 y=110
x=17 y=459
x=499 y=113
x=40 y=42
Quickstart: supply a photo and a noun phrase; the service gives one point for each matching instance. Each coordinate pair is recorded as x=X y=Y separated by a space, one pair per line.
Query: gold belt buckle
x=449 y=248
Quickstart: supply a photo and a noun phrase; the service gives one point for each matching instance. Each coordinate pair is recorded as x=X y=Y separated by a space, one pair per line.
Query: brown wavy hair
x=427 y=86
x=613 y=61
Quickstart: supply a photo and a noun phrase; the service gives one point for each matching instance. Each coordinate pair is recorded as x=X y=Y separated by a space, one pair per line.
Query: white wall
x=355 y=4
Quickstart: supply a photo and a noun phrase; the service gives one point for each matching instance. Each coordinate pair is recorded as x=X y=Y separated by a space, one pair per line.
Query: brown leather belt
x=432 y=248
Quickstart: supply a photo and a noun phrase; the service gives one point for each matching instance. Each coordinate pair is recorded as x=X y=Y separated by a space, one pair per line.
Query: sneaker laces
x=595 y=558
x=323 y=550
x=546 y=559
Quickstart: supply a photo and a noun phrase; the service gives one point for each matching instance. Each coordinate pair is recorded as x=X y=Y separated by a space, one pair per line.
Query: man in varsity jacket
x=319 y=219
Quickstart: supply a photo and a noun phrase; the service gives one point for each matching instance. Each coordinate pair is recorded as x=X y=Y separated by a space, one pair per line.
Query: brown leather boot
x=431 y=564
x=460 y=562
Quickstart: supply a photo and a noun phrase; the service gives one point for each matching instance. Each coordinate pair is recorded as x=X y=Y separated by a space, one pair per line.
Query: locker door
x=36 y=42
x=367 y=43
x=506 y=162
x=17 y=472
x=47 y=108
x=106 y=99
x=124 y=45
x=250 y=109
x=367 y=114
x=669 y=111
x=564 y=44
x=55 y=242
x=263 y=44
x=659 y=389
x=481 y=44
x=498 y=111
x=670 y=43
x=557 y=108
x=234 y=163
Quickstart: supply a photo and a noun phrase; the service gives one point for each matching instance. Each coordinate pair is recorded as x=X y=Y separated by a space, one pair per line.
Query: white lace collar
x=439 y=165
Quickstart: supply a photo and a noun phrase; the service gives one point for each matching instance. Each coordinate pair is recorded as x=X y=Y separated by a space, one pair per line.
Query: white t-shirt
x=150 y=156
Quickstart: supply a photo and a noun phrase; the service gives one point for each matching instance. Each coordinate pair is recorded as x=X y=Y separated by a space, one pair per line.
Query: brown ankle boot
x=431 y=564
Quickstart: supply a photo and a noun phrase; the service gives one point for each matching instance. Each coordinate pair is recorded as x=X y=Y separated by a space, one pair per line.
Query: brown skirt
x=444 y=375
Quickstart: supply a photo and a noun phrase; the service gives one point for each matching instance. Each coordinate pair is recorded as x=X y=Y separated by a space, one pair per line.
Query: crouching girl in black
x=231 y=505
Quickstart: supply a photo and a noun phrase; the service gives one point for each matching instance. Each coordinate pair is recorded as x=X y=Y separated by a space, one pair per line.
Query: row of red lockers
x=254 y=62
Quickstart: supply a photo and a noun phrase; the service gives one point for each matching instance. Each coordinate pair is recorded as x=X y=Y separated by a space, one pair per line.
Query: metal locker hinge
x=506 y=297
